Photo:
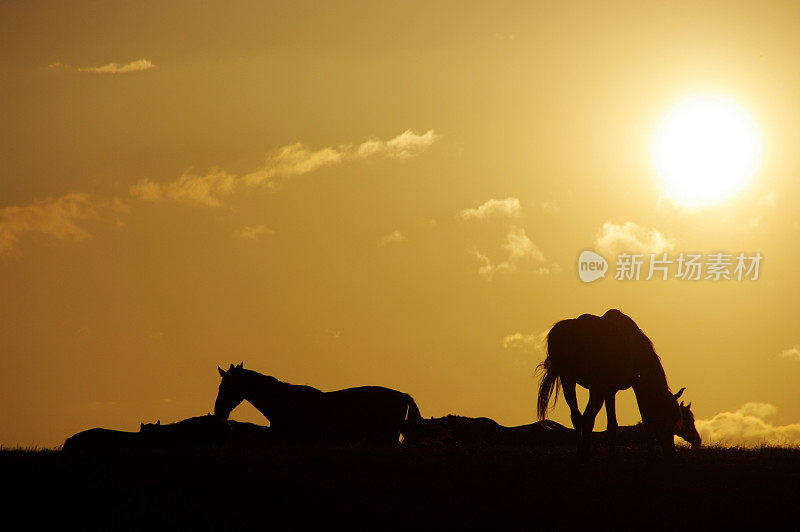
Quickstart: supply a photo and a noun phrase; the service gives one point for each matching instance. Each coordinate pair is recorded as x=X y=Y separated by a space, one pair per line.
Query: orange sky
x=289 y=185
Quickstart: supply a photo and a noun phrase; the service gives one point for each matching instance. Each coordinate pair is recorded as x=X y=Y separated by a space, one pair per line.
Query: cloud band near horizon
x=286 y=162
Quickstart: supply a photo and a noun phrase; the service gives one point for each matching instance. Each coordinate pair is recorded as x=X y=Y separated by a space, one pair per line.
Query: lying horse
x=370 y=414
x=605 y=355
x=203 y=430
x=100 y=441
x=199 y=430
x=460 y=430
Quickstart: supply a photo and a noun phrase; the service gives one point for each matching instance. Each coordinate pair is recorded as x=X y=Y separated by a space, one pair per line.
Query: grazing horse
x=607 y=354
x=304 y=414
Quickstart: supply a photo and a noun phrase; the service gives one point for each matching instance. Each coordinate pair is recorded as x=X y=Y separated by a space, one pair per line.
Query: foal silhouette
x=204 y=430
x=371 y=414
x=607 y=354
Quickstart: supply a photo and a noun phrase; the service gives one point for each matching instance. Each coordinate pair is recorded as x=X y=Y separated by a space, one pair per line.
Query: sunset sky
x=387 y=193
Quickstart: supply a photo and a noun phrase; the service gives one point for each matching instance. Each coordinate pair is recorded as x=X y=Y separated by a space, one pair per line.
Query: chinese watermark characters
x=717 y=266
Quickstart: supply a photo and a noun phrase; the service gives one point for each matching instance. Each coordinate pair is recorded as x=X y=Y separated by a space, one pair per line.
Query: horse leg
x=611 y=415
x=589 y=415
x=568 y=387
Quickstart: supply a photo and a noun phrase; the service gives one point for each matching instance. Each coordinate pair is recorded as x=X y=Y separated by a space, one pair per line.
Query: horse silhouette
x=203 y=430
x=101 y=441
x=605 y=355
x=460 y=430
x=208 y=429
x=370 y=414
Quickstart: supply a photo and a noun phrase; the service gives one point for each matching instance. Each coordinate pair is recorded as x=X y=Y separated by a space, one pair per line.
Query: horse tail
x=548 y=382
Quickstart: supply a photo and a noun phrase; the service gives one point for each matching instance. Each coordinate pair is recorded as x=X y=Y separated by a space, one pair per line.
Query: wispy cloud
x=297 y=159
x=61 y=218
x=111 y=68
x=550 y=207
x=284 y=163
x=293 y=160
x=392 y=238
x=519 y=250
x=55 y=217
x=508 y=207
x=630 y=237
x=404 y=146
x=793 y=353
x=253 y=232
x=749 y=426
x=205 y=190
x=525 y=342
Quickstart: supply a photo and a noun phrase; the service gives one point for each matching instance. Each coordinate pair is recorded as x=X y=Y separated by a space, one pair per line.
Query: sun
x=706 y=150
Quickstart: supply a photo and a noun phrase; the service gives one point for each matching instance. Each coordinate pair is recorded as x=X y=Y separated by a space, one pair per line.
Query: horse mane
x=264 y=379
x=642 y=346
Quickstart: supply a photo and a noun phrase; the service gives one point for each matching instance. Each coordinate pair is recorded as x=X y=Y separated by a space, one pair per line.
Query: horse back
x=363 y=396
x=99 y=440
x=592 y=351
x=191 y=431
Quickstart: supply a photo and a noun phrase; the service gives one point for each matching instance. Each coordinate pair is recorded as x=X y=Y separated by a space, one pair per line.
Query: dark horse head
x=684 y=426
x=239 y=384
x=660 y=404
x=668 y=418
x=231 y=390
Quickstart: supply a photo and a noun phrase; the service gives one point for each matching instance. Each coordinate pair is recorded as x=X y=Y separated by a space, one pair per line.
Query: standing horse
x=607 y=354
x=301 y=413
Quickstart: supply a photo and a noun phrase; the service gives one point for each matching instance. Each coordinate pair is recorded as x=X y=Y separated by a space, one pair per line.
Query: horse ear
x=230 y=368
x=158 y=423
x=680 y=392
x=681 y=403
x=689 y=405
x=221 y=371
x=241 y=364
x=141 y=426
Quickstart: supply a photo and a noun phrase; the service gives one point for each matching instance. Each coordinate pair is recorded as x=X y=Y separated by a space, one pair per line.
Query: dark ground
x=432 y=487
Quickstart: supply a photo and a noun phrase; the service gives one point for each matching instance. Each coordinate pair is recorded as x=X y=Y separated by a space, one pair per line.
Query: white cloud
x=630 y=237
x=792 y=353
x=749 y=426
x=509 y=207
x=111 y=68
x=391 y=238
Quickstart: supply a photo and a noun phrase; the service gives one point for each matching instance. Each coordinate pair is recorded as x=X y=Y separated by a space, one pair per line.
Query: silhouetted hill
x=420 y=487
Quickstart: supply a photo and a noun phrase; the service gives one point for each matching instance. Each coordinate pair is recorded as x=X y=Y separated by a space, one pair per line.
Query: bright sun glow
x=706 y=150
